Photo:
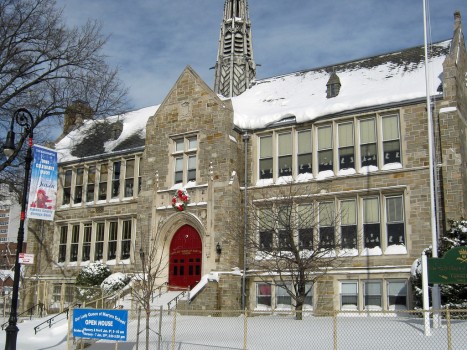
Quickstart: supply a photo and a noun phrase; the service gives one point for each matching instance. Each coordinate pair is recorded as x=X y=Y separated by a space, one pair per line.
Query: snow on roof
x=300 y=97
x=374 y=81
x=133 y=125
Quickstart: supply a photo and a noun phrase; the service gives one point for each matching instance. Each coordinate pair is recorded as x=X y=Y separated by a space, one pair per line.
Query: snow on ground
x=264 y=332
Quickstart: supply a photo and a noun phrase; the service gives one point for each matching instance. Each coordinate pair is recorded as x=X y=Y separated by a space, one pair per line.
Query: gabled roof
x=379 y=80
x=392 y=78
x=99 y=137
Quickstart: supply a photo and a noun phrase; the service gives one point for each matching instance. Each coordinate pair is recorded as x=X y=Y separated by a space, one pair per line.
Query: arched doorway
x=185 y=258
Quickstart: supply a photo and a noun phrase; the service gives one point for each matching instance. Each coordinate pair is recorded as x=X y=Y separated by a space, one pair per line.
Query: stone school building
x=177 y=182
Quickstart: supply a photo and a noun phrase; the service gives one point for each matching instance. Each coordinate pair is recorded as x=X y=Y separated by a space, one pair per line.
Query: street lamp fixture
x=24 y=119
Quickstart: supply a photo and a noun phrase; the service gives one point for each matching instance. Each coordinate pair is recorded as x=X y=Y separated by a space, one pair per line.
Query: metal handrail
x=50 y=320
x=30 y=311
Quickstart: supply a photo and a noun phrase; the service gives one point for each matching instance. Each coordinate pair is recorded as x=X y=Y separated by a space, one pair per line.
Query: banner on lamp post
x=43 y=189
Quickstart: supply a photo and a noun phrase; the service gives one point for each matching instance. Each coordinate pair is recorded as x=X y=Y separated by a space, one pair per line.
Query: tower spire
x=235 y=67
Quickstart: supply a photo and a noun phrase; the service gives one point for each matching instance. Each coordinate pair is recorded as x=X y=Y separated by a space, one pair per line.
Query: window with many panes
x=265 y=157
x=305 y=227
x=304 y=152
x=391 y=139
x=285 y=154
x=185 y=159
x=358 y=144
x=111 y=180
x=345 y=138
x=372 y=294
x=96 y=241
x=325 y=152
x=371 y=223
x=349 y=295
x=348 y=216
x=326 y=225
x=368 y=146
x=395 y=220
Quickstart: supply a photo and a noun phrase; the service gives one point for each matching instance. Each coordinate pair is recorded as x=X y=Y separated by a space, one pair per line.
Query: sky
x=152 y=41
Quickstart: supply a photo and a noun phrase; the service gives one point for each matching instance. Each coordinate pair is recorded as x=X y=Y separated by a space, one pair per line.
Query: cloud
x=152 y=41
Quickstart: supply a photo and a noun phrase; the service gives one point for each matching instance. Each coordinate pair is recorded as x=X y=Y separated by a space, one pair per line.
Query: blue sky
x=151 y=41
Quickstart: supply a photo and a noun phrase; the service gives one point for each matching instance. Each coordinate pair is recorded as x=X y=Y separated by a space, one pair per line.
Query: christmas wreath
x=180 y=199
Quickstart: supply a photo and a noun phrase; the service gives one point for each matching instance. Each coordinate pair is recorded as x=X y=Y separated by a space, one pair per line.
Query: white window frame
x=185 y=158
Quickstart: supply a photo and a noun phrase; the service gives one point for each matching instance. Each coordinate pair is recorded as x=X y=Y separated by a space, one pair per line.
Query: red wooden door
x=185 y=258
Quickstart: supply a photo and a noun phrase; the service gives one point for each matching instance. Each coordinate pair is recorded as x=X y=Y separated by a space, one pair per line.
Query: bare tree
x=46 y=67
x=153 y=266
x=292 y=240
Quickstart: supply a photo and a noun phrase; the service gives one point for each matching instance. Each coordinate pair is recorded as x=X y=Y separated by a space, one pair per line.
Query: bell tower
x=235 y=68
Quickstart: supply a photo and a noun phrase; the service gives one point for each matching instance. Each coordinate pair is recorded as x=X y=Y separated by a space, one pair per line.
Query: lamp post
x=23 y=118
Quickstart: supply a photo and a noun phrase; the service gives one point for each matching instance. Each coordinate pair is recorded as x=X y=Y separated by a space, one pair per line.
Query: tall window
x=391 y=139
x=62 y=243
x=371 y=223
x=326 y=225
x=348 y=224
x=126 y=239
x=79 y=185
x=266 y=229
x=104 y=173
x=309 y=294
x=91 y=183
x=185 y=159
x=305 y=227
x=67 y=186
x=99 y=246
x=87 y=234
x=129 y=177
x=74 y=243
x=372 y=294
x=368 y=151
x=112 y=245
x=116 y=179
x=346 y=146
x=349 y=295
x=395 y=220
x=325 y=148
x=285 y=228
x=397 y=294
x=265 y=157
x=263 y=295
x=304 y=156
x=285 y=154
x=140 y=183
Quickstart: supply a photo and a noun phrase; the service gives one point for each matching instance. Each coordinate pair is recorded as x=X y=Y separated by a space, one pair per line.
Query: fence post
x=449 y=329
x=174 y=327
x=245 y=328
x=137 y=327
x=334 y=331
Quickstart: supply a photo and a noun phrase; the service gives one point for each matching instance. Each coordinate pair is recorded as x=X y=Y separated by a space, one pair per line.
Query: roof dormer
x=333 y=86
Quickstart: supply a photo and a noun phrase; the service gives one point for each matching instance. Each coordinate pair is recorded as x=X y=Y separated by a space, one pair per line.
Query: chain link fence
x=212 y=330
